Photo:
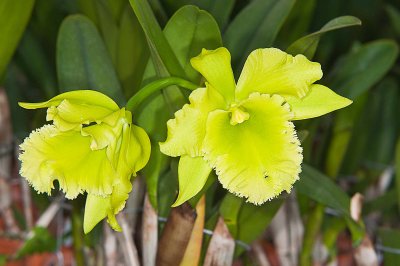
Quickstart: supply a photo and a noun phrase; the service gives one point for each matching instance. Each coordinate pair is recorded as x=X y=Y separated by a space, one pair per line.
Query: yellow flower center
x=238 y=114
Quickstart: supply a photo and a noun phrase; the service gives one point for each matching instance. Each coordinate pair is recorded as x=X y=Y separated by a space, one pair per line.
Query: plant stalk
x=155 y=86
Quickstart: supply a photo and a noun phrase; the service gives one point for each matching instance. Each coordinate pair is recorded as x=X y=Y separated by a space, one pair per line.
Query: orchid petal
x=273 y=71
x=193 y=173
x=215 y=66
x=320 y=100
x=49 y=154
x=98 y=207
x=186 y=131
x=258 y=158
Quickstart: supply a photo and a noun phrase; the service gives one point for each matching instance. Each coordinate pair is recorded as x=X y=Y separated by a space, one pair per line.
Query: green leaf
x=307 y=45
x=342 y=132
x=397 y=171
x=83 y=61
x=322 y=189
x=253 y=220
x=34 y=61
x=14 y=16
x=297 y=23
x=160 y=49
x=229 y=210
x=188 y=31
x=256 y=26
x=382 y=203
x=394 y=16
x=132 y=52
x=167 y=189
x=383 y=131
x=40 y=241
x=220 y=9
x=358 y=71
x=391 y=241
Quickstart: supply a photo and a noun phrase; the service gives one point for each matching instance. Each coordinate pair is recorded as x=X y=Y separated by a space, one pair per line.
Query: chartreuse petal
x=88 y=97
x=132 y=156
x=98 y=207
x=49 y=154
x=135 y=150
x=273 y=71
x=72 y=109
x=259 y=157
x=215 y=66
x=186 y=131
x=319 y=100
x=193 y=173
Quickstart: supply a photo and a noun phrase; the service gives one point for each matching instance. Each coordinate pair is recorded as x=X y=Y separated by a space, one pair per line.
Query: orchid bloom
x=92 y=146
x=245 y=131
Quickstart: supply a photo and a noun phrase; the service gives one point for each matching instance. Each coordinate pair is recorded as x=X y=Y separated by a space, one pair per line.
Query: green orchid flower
x=245 y=131
x=92 y=146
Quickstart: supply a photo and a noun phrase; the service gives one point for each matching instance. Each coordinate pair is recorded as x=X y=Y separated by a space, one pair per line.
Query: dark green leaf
x=382 y=203
x=322 y=189
x=256 y=26
x=342 y=133
x=14 y=16
x=307 y=45
x=397 y=171
x=33 y=59
x=391 y=243
x=83 y=61
x=384 y=129
x=229 y=210
x=253 y=220
x=394 y=16
x=220 y=9
x=160 y=49
x=132 y=54
x=361 y=69
x=40 y=241
x=297 y=23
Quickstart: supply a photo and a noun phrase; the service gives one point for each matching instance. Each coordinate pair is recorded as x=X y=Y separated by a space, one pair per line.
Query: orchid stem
x=155 y=86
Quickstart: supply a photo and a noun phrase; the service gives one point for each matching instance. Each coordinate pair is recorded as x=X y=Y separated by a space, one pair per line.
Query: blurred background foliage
x=118 y=46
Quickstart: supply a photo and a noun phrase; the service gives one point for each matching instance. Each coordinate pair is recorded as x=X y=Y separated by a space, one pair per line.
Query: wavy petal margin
x=273 y=71
x=260 y=157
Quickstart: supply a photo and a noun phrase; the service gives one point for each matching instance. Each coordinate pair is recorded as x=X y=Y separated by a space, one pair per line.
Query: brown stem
x=176 y=235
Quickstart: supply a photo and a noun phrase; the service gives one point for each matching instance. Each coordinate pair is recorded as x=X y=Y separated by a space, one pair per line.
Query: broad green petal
x=215 y=66
x=68 y=115
x=320 y=100
x=135 y=150
x=186 y=131
x=49 y=154
x=273 y=71
x=87 y=97
x=260 y=157
x=72 y=109
x=98 y=207
x=192 y=173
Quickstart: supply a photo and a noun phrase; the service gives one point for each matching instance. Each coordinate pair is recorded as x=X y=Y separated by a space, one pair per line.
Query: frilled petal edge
x=273 y=71
x=260 y=157
x=98 y=207
x=49 y=154
x=186 y=131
